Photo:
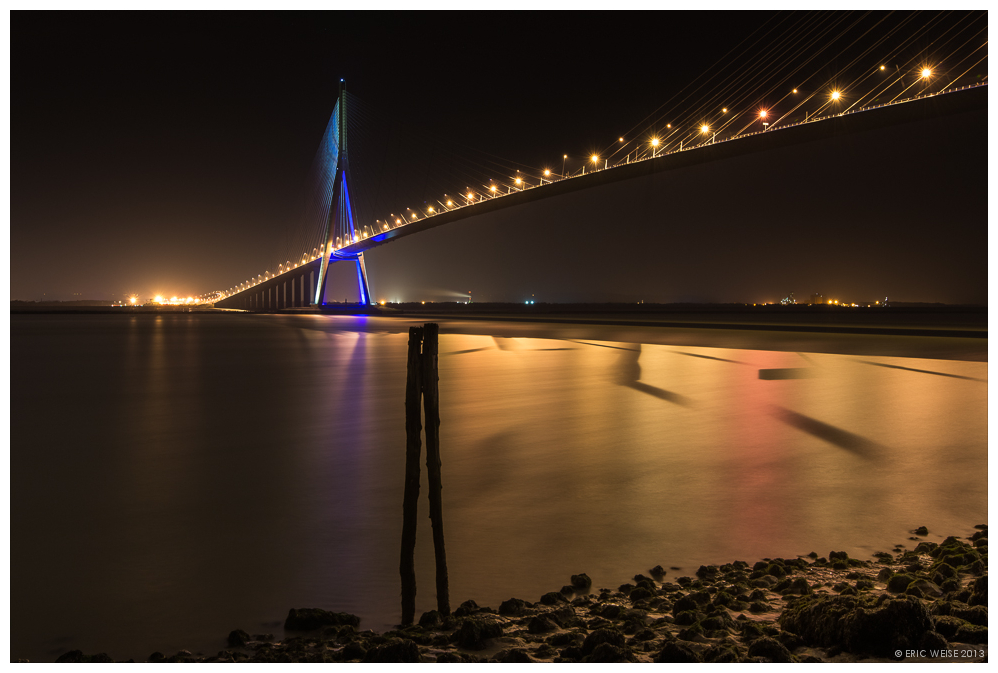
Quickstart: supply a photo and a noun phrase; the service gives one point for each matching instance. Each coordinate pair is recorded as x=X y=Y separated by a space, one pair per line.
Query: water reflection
x=222 y=470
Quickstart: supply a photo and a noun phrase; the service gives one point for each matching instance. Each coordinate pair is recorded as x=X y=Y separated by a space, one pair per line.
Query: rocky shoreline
x=928 y=603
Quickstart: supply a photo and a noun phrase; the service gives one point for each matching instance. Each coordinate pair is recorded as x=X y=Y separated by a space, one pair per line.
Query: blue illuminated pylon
x=339 y=223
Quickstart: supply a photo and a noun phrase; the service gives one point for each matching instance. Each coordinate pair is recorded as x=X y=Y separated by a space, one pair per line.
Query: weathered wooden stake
x=431 y=405
x=410 y=497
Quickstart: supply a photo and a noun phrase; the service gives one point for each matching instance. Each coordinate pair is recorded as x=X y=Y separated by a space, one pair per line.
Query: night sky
x=169 y=153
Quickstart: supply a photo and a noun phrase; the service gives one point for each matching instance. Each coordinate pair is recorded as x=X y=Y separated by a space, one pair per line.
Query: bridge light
x=835 y=95
x=795 y=90
x=493 y=188
x=704 y=129
x=594 y=158
x=431 y=209
x=763 y=114
x=398 y=221
x=654 y=142
x=449 y=203
x=621 y=140
x=881 y=67
x=668 y=126
x=925 y=73
x=724 y=109
x=547 y=172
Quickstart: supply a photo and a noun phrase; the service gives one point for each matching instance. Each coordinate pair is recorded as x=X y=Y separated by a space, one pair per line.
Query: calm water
x=175 y=477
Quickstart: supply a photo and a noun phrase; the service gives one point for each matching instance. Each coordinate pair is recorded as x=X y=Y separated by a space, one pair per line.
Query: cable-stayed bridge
x=334 y=231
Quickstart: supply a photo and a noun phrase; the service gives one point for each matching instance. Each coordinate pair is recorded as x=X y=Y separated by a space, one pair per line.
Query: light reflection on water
x=176 y=477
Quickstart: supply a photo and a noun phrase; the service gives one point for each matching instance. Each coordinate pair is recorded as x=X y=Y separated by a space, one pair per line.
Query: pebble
x=728 y=613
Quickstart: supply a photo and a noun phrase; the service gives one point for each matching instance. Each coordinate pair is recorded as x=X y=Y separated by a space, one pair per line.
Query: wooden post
x=431 y=404
x=410 y=497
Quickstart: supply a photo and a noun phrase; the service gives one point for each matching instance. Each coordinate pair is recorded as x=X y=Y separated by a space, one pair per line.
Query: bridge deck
x=938 y=105
x=853 y=122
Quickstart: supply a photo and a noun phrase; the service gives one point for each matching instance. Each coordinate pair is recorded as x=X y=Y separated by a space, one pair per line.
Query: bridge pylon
x=340 y=223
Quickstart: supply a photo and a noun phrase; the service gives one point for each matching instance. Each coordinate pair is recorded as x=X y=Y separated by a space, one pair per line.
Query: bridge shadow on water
x=844 y=439
x=922 y=371
x=629 y=375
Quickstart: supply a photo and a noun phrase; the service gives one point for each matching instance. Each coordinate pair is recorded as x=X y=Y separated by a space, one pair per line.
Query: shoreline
x=923 y=603
x=954 y=335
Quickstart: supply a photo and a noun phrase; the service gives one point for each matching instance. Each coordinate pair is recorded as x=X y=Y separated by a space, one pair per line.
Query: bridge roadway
x=294 y=288
x=286 y=290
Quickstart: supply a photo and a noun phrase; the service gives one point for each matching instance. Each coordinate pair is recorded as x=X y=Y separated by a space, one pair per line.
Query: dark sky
x=169 y=152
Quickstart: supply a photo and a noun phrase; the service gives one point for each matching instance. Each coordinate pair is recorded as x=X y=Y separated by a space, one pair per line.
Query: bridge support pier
x=365 y=288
